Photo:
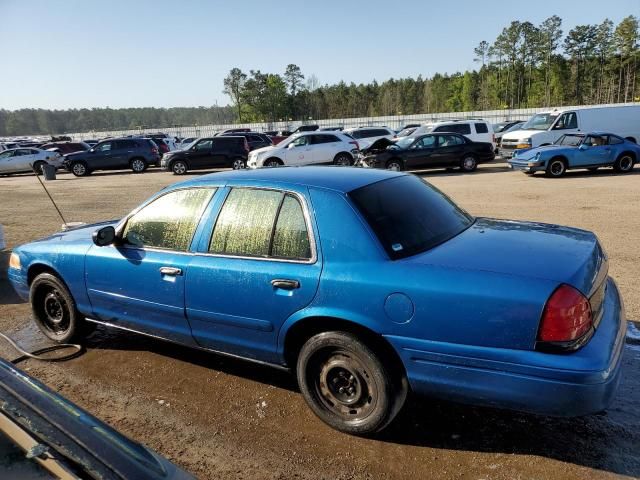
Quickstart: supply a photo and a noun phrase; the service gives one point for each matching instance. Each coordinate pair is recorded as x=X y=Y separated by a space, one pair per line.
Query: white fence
x=395 y=122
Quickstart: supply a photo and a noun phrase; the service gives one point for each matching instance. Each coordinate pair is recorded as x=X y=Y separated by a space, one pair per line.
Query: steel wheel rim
x=626 y=163
x=342 y=385
x=394 y=166
x=137 y=165
x=79 y=169
x=469 y=163
x=179 y=168
x=557 y=168
x=56 y=314
x=238 y=164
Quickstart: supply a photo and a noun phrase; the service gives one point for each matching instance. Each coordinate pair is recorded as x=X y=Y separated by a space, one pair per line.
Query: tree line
x=527 y=65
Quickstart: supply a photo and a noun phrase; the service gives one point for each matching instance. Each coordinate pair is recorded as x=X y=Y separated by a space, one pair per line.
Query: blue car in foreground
x=577 y=150
x=365 y=283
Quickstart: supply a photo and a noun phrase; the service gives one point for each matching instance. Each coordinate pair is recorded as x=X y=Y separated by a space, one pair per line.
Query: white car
x=474 y=130
x=17 y=160
x=367 y=135
x=306 y=148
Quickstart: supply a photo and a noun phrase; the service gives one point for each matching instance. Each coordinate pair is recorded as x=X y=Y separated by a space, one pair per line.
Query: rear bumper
x=570 y=384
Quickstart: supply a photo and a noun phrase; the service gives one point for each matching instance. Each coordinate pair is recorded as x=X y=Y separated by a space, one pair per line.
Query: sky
x=162 y=53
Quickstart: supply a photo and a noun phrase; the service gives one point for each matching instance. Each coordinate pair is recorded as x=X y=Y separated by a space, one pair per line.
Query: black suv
x=114 y=154
x=210 y=152
x=254 y=139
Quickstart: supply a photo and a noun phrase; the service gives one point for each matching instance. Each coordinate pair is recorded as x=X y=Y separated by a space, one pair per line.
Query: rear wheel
x=79 y=169
x=239 y=164
x=556 y=168
x=624 y=163
x=138 y=165
x=343 y=159
x=346 y=384
x=54 y=309
x=395 y=164
x=468 y=163
x=179 y=167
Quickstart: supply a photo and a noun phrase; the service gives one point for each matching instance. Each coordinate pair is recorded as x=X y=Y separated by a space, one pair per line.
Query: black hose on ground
x=37 y=354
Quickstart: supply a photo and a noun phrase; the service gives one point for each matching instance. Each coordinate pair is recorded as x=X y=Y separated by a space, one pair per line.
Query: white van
x=475 y=130
x=546 y=127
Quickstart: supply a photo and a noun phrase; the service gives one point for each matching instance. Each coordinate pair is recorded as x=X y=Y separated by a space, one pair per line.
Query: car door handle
x=285 y=284
x=173 y=271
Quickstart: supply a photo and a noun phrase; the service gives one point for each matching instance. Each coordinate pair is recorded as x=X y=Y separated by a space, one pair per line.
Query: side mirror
x=291 y=145
x=583 y=146
x=104 y=236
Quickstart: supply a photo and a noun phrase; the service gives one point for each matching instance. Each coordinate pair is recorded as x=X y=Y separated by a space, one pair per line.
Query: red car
x=66 y=147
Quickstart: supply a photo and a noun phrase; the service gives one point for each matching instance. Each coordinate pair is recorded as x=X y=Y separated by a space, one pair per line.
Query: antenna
x=64 y=222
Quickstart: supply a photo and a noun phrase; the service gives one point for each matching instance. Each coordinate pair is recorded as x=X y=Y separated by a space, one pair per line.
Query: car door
x=121 y=151
x=449 y=150
x=324 y=148
x=594 y=150
x=419 y=154
x=299 y=151
x=100 y=157
x=6 y=161
x=200 y=155
x=139 y=283
x=256 y=265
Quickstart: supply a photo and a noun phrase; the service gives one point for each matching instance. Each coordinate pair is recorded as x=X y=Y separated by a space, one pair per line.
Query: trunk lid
x=525 y=249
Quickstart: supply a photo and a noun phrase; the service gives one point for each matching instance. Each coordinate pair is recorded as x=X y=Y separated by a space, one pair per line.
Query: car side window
x=170 y=221
x=104 y=147
x=481 y=128
x=261 y=223
x=449 y=141
x=594 y=141
x=425 y=142
x=567 y=121
x=203 y=145
x=615 y=140
x=300 y=141
x=5 y=155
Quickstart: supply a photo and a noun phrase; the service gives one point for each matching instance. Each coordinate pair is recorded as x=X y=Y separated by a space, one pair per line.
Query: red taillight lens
x=567 y=316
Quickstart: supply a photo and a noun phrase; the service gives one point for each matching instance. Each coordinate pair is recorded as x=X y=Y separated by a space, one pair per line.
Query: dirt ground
x=226 y=419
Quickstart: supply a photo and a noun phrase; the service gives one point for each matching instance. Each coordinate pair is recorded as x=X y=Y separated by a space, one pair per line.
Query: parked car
x=500 y=129
x=571 y=151
x=233 y=130
x=20 y=160
x=358 y=280
x=66 y=147
x=254 y=139
x=476 y=130
x=366 y=136
x=546 y=127
x=406 y=132
x=114 y=154
x=280 y=136
x=212 y=152
x=443 y=150
x=307 y=148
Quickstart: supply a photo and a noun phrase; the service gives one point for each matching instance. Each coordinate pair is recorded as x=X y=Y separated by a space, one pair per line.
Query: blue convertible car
x=365 y=283
x=590 y=151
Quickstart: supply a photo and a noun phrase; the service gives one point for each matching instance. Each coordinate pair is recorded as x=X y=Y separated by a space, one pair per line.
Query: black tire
x=346 y=385
x=239 y=164
x=54 y=310
x=79 y=169
x=624 y=163
x=556 y=168
x=469 y=163
x=395 y=164
x=38 y=167
x=343 y=160
x=273 y=162
x=138 y=165
x=179 y=167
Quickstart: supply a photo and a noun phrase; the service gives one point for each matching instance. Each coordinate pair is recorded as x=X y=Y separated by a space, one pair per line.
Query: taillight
x=566 y=318
x=353 y=142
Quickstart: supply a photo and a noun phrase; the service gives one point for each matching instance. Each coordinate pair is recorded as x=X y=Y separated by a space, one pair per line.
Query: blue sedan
x=365 y=283
x=590 y=151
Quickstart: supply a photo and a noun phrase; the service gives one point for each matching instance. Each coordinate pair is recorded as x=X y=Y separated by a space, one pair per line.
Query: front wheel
x=79 y=169
x=346 y=384
x=556 y=168
x=54 y=309
x=468 y=163
x=343 y=160
x=179 y=167
x=395 y=165
x=138 y=165
x=239 y=164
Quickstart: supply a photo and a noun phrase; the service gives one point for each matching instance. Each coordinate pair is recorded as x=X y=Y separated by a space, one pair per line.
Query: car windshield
x=570 y=140
x=408 y=215
x=406 y=132
x=404 y=142
x=513 y=128
x=541 y=121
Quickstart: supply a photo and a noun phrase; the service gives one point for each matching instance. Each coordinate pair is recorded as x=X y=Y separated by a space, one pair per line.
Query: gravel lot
x=221 y=418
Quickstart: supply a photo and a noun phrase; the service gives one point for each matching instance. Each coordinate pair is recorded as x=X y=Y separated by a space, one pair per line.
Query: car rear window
x=408 y=215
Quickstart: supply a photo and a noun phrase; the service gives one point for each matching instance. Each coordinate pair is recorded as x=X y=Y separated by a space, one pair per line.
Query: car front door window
x=169 y=222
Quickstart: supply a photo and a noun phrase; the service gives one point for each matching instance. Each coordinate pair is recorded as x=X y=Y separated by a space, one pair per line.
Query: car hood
x=81 y=232
x=379 y=145
x=531 y=152
x=520 y=134
x=524 y=249
x=269 y=148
